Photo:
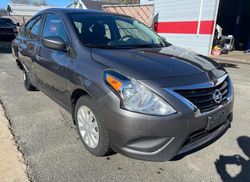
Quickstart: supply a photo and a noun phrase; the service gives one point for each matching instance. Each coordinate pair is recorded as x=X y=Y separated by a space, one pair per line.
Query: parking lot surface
x=53 y=151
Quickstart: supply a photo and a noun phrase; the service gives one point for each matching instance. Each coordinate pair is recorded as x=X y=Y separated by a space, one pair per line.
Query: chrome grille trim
x=202 y=85
x=224 y=83
x=203 y=99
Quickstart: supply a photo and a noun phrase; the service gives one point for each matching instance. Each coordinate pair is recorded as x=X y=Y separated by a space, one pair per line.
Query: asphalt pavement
x=53 y=151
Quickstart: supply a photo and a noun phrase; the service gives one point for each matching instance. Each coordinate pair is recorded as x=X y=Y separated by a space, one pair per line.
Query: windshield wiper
x=145 y=45
x=129 y=46
x=102 y=46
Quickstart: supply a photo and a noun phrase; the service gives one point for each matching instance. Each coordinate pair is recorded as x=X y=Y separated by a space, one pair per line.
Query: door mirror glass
x=54 y=42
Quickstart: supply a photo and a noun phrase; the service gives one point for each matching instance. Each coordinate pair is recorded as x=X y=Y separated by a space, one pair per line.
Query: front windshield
x=5 y=21
x=104 y=30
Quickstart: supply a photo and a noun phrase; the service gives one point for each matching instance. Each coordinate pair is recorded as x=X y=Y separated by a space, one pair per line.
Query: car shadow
x=230 y=65
x=5 y=47
x=223 y=161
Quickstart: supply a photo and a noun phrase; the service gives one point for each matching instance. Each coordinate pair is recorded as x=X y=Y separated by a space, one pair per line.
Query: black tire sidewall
x=28 y=86
x=103 y=146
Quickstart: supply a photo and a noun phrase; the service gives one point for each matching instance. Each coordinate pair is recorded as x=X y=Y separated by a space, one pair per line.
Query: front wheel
x=91 y=128
x=28 y=86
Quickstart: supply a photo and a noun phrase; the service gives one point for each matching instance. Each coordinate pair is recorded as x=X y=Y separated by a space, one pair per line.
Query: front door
x=51 y=65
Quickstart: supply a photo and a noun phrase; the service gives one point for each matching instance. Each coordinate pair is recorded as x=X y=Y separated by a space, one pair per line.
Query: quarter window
x=34 y=32
x=29 y=25
x=54 y=27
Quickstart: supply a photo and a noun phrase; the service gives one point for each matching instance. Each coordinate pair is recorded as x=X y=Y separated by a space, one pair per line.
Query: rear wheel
x=91 y=128
x=28 y=86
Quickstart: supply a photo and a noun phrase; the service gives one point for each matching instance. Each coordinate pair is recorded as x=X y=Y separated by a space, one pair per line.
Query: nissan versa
x=128 y=90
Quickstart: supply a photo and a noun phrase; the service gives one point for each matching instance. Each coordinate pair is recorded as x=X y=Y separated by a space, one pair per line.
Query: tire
x=26 y=80
x=102 y=147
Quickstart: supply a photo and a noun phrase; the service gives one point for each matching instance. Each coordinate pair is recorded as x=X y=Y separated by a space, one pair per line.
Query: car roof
x=75 y=10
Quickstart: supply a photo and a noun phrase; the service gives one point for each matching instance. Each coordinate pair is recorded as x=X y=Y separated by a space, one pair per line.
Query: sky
x=3 y=3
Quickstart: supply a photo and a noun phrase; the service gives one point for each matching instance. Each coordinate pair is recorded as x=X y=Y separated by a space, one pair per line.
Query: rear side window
x=54 y=26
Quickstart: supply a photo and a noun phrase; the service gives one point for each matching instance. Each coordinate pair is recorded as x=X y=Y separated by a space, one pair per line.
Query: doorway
x=234 y=18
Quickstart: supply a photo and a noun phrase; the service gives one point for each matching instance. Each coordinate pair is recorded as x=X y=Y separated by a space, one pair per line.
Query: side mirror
x=54 y=42
x=17 y=24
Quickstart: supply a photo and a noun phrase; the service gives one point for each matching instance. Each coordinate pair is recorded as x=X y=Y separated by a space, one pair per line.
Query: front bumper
x=160 y=138
x=157 y=138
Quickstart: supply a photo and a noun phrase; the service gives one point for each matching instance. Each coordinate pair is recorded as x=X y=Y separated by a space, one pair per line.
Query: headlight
x=136 y=97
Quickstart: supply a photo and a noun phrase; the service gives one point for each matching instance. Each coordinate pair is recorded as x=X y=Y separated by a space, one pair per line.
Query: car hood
x=152 y=63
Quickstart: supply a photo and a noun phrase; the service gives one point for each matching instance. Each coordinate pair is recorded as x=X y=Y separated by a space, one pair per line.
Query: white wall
x=187 y=10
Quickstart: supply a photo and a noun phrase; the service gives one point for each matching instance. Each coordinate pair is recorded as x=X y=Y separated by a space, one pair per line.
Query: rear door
x=51 y=65
x=28 y=41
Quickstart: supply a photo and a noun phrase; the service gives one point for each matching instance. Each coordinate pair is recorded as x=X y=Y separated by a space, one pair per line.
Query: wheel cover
x=88 y=126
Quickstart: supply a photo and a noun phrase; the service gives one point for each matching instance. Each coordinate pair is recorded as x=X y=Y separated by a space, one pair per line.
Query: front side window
x=54 y=26
x=113 y=30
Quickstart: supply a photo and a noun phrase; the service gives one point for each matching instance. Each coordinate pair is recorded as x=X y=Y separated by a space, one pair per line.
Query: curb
x=12 y=163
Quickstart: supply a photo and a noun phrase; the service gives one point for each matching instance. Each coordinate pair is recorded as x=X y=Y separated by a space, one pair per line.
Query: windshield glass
x=5 y=21
x=104 y=30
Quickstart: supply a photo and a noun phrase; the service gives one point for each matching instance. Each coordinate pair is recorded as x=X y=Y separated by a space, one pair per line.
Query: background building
x=3 y=12
x=186 y=23
x=89 y=4
x=191 y=23
x=21 y=13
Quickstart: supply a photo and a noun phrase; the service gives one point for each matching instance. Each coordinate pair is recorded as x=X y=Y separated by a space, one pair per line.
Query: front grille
x=200 y=134
x=203 y=98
